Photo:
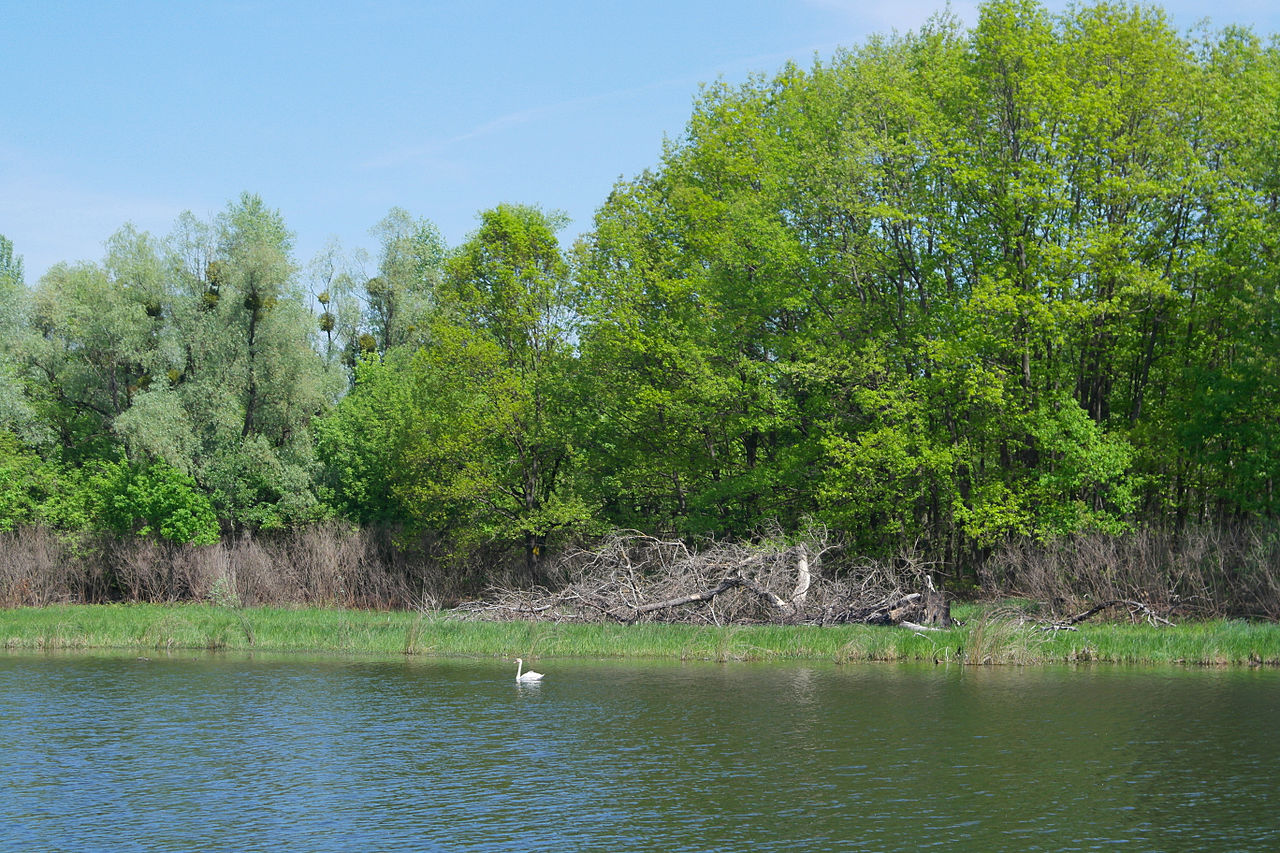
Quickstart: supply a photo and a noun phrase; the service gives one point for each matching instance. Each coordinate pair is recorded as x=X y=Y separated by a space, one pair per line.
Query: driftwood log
x=1137 y=611
x=634 y=578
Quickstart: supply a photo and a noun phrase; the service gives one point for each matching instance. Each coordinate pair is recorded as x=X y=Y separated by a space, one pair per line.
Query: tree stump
x=937 y=609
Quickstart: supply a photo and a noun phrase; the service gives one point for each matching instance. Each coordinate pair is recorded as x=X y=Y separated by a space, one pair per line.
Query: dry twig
x=633 y=577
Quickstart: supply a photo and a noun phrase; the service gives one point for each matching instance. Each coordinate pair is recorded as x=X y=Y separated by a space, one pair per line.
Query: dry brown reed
x=323 y=565
x=1203 y=572
x=36 y=567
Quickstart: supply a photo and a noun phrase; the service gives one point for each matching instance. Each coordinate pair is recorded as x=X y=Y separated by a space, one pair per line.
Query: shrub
x=156 y=500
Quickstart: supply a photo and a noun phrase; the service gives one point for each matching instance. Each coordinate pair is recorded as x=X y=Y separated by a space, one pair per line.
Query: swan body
x=527 y=676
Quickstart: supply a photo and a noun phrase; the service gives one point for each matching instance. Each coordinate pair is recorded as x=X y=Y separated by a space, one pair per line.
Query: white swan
x=528 y=676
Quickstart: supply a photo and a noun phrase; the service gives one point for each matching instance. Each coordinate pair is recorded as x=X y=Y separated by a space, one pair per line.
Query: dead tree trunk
x=803 y=579
x=937 y=609
x=693 y=598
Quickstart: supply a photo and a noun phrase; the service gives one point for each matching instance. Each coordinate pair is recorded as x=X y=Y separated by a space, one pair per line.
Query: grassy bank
x=980 y=641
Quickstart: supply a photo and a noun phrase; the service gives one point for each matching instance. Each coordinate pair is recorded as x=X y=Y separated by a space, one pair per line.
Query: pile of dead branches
x=632 y=577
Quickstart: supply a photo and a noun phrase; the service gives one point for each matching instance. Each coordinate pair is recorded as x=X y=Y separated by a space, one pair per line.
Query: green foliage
x=951 y=286
x=1084 y=479
x=401 y=298
x=10 y=265
x=471 y=436
x=14 y=410
x=34 y=491
x=24 y=483
x=362 y=441
x=494 y=454
x=946 y=287
x=198 y=352
x=249 y=378
x=157 y=501
x=489 y=457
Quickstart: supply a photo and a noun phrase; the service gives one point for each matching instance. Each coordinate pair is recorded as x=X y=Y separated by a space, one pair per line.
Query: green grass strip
x=980 y=641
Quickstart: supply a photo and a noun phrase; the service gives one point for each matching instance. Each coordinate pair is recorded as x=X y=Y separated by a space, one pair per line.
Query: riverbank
x=981 y=640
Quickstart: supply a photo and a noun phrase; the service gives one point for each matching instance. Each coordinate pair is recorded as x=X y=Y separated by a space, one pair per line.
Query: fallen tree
x=634 y=578
x=1137 y=611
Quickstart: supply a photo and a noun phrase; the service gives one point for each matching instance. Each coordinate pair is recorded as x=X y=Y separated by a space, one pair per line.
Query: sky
x=335 y=112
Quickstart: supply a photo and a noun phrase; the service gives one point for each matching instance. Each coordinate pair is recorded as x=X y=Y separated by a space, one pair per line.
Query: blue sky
x=119 y=112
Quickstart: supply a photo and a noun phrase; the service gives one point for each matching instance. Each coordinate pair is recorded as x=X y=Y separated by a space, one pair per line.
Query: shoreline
x=981 y=641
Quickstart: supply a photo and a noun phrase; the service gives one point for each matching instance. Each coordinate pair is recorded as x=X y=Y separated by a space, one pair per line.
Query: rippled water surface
x=222 y=753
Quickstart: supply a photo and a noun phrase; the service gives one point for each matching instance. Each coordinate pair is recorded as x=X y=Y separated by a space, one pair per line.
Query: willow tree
x=100 y=345
x=400 y=299
x=243 y=378
x=96 y=344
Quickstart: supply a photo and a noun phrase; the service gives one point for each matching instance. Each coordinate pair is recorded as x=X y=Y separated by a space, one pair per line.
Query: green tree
x=13 y=301
x=25 y=482
x=940 y=287
x=90 y=357
x=156 y=500
x=363 y=441
x=252 y=379
x=332 y=275
x=656 y=439
x=493 y=456
x=10 y=265
x=199 y=352
x=400 y=299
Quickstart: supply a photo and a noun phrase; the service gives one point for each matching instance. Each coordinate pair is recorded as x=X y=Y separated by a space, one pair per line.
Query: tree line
x=950 y=288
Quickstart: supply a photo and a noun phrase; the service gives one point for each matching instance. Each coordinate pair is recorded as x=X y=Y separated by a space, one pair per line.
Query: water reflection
x=257 y=754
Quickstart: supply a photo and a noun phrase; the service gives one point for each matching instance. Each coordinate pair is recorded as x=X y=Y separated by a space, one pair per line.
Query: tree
x=91 y=355
x=949 y=287
x=655 y=440
x=252 y=378
x=493 y=455
x=10 y=264
x=13 y=299
x=400 y=299
x=470 y=435
x=231 y=376
x=363 y=441
x=332 y=275
x=157 y=501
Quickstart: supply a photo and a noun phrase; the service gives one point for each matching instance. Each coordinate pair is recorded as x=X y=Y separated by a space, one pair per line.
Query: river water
x=253 y=753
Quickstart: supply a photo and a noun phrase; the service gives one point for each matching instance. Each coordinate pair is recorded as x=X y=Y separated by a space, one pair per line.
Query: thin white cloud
x=432 y=154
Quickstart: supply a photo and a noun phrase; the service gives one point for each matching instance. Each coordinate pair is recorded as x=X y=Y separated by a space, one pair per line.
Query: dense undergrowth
x=1211 y=572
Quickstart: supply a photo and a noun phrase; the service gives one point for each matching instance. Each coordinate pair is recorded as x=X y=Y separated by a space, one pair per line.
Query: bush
x=156 y=501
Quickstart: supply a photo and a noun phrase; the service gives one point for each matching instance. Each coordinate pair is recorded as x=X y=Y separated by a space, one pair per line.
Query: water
x=227 y=753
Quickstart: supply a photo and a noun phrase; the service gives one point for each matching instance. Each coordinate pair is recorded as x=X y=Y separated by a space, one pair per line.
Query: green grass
x=983 y=640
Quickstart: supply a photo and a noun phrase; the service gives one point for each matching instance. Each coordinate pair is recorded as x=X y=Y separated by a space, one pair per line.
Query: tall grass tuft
x=992 y=639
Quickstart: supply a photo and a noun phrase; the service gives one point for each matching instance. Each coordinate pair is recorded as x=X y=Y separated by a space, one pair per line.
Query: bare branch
x=634 y=577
